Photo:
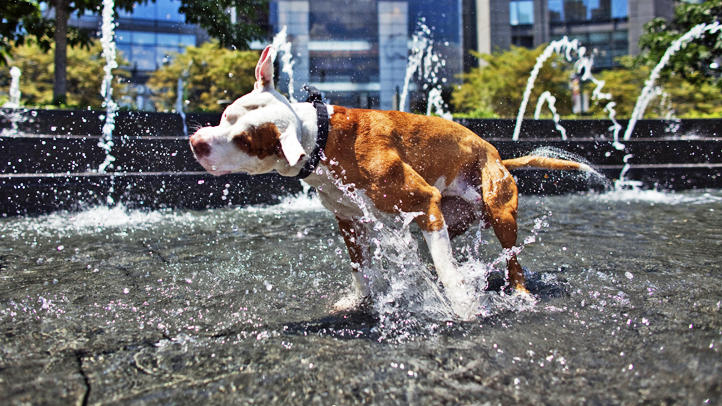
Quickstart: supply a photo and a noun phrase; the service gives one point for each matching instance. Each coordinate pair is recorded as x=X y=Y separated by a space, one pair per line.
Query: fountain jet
x=648 y=92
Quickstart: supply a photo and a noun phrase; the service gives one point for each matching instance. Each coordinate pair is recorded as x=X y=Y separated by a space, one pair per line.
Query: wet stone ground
x=234 y=306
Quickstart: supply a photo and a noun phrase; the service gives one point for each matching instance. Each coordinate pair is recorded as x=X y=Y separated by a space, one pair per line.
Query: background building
x=610 y=27
x=355 y=51
x=147 y=37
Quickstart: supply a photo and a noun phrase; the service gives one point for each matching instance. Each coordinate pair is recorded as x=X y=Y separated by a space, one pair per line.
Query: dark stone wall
x=49 y=160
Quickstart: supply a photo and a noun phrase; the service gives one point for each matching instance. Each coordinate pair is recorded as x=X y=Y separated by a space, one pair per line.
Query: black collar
x=322 y=121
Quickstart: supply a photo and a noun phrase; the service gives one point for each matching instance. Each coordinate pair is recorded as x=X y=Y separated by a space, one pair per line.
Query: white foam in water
x=656 y=196
x=301 y=202
x=100 y=218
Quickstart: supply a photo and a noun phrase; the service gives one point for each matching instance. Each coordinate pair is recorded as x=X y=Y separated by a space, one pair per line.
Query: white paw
x=350 y=301
x=463 y=303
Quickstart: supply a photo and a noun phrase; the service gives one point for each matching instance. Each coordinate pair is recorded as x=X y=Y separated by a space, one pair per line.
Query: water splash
x=406 y=297
x=107 y=40
x=14 y=93
x=648 y=92
x=636 y=194
x=179 y=103
x=96 y=219
x=582 y=66
x=419 y=46
x=622 y=183
x=282 y=45
x=426 y=63
x=15 y=116
x=551 y=101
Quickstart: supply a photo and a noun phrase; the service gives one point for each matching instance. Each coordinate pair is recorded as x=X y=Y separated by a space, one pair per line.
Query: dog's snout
x=199 y=147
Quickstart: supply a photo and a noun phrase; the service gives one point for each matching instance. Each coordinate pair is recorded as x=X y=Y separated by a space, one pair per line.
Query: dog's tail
x=542 y=162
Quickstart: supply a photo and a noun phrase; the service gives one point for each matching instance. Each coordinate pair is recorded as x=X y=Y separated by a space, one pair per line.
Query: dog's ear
x=291 y=147
x=264 y=70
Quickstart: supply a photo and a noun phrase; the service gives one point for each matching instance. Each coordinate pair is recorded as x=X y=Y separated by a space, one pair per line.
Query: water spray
x=14 y=101
x=583 y=65
x=425 y=62
x=282 y=45
x=107 y=40
x=648 y=92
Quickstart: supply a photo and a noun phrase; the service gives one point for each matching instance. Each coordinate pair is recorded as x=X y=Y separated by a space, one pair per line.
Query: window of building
x=521 y=12
x=357 y=21
x=571 y=11
x=146 y=51
x=442 y=16
x=161 y=10
x=605 y=45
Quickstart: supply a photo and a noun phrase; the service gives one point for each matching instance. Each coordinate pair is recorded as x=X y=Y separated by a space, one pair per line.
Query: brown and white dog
x=402 y=162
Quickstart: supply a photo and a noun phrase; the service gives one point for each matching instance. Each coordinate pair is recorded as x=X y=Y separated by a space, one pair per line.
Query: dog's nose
x=199 y=147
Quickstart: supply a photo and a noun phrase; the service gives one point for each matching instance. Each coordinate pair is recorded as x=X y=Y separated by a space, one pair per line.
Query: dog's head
x=259 y=132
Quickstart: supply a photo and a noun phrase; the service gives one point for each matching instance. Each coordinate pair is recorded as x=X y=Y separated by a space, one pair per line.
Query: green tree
x=496 y=88
x=677 y=96
x=234 y=23
x=19 y=17
x=624 y=84
x=22 y=18
x=701 y=59
x=83 y=80
x=211 y=74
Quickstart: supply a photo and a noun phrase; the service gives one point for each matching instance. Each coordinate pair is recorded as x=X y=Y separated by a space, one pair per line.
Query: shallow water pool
x=111 y=305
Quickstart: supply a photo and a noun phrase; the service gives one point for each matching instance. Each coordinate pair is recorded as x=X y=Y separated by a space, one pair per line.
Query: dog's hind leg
x=500 y=196
x=354 y=235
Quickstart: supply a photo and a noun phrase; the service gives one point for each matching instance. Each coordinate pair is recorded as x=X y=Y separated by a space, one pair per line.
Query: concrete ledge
x=50 y=160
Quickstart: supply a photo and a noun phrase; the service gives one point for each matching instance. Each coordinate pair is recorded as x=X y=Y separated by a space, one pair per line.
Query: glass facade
x=147 y=50
x=149 y=35
x=442 y=16
x=521 y=12
x=578 y=11
x=606 y=45
x=355 y=51
x=599 y=25
x=344 y=49
x=160 y=10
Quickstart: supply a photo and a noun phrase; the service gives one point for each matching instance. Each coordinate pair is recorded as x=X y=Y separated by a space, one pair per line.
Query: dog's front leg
x=354 y=235
x=439 y=243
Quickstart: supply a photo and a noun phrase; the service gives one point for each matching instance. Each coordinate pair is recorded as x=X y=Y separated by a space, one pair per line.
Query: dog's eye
x=250 y=107
x=231 y=118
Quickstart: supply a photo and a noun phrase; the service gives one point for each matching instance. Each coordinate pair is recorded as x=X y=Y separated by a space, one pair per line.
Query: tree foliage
x=22 y=20
x=234 y=23
x=675 y=97
x=496 y=89
x=211 y=75
x=84 y=80
x=701 y=59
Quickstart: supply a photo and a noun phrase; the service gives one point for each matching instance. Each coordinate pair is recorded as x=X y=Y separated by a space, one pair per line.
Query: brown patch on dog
x=261 y=141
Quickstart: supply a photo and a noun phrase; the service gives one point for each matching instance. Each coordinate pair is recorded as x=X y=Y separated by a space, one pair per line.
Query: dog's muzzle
x=199 y=147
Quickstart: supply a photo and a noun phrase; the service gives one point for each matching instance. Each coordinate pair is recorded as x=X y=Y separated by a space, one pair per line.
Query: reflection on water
x=227 y=305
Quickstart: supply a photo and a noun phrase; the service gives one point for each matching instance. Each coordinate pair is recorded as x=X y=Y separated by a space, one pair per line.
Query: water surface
x=234 y=306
